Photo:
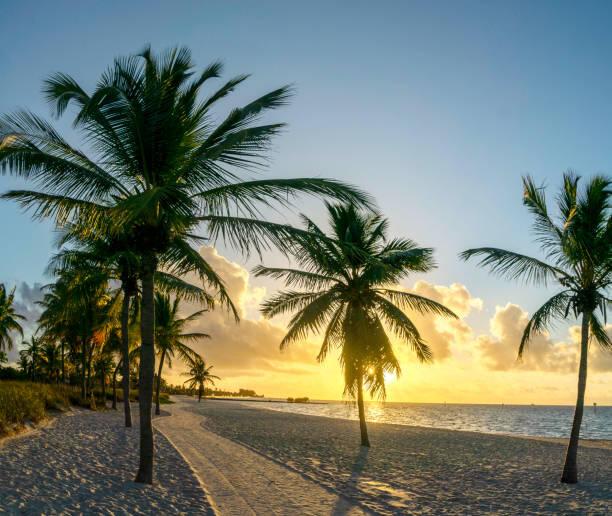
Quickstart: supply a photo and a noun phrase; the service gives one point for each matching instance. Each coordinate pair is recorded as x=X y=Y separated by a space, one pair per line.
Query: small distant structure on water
x=305 y=399
x=595 y=407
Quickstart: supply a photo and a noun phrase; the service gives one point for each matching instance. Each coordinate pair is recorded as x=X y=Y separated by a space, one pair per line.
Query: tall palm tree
x=157 y=170
x=9 y=318
x=347 y=285
x=200 y=375
x=170 y=336
x=578 y=250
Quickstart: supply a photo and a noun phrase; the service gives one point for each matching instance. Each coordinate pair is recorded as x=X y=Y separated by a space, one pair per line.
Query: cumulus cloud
x=250 y=347
x=442 y=334
x=499 y=349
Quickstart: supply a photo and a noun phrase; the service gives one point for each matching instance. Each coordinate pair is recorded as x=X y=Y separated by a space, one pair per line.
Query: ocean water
x=526 y=420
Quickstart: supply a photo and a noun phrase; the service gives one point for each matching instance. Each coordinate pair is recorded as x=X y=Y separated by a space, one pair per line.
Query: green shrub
x=20 y=403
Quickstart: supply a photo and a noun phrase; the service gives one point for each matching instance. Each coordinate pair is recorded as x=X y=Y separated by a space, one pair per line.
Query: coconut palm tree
x=9 y=319
x=347 y=290
x=158 y=171
x=577 y=246
x=170 y=336
x=30 y=357
x=200 y=375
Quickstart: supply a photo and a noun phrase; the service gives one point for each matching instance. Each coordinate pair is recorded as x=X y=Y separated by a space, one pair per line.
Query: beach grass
x=28 y=402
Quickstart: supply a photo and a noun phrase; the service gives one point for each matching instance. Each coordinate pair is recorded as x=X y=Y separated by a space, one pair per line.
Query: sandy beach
x=83 y=462
x=230 y=458
x=419 y=470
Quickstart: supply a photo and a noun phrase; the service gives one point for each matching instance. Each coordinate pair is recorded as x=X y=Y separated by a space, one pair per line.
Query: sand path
x=241 y=481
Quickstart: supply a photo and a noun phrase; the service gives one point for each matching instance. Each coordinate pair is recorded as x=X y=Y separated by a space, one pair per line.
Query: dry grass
x=23 y=402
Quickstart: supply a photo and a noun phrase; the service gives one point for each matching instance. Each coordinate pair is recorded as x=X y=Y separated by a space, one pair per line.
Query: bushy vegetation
x=23 y=402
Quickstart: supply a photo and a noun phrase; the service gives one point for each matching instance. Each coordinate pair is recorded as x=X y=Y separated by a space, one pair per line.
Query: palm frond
x=514 y=265
x=556 y=307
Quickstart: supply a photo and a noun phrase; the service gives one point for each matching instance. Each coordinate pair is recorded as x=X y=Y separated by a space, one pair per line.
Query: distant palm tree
x=199 y=376
x=159 y=170
x=9 y=319
x=348 y=290
x=30 y=357
x=579 y=249
x=170 y=336
x=50 y=361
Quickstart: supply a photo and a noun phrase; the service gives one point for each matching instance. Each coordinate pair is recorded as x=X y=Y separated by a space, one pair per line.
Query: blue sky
x=436 y=108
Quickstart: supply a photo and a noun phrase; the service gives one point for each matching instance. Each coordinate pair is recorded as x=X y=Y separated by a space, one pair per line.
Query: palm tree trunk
x=63 y=362
x=125 y=357
x=199 y=394
x=83 y=368
x=570 y=470
x=114 y=406
x=103 y=384
x=365 y=441
x=147 y=370
x=90 y=379
x=159 y=372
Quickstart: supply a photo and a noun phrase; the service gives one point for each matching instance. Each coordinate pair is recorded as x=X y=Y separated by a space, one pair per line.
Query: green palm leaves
x=154 y=173
x=199 y=376
x=9 y=318
x=577 y=245
x=345 y=287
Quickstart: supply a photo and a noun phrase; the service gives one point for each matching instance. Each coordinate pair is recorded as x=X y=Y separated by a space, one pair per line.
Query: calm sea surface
x=530 y=420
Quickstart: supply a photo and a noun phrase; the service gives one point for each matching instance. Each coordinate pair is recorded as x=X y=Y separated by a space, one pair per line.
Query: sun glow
x=390 y=377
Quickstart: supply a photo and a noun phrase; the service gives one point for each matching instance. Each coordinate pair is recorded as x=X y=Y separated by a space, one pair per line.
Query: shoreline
x=589 y=442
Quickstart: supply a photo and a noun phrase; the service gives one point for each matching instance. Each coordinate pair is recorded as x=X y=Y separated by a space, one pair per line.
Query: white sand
x=256 y=461
x=84 y=463
x=240 y=481
x=415 y=469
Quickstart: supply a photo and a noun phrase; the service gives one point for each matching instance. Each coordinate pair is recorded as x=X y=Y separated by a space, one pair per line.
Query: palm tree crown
x=578 y=250
x=156 y=168
x=9 y=318
x=199 y=375
x=347 y=289
x=577 y=245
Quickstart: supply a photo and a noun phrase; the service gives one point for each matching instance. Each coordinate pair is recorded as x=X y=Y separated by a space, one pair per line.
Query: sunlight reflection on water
x=530 y=420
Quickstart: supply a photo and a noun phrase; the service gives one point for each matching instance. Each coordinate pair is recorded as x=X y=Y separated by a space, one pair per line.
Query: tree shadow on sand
x=342 y=505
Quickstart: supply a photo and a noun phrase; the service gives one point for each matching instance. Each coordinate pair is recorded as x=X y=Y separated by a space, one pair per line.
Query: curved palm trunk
x=199 y=394
x=570 y=470
x=159 y=372
x=365 y=441
x=147 y=370
x=125 y=357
